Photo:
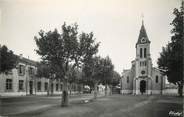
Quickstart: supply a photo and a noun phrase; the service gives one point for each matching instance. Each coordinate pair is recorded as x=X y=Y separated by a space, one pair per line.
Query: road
x=111 y=106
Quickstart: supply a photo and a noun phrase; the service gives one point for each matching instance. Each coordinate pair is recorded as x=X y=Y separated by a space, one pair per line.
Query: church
x=142 y=78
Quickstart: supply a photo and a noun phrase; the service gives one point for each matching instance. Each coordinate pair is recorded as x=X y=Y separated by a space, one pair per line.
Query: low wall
x=9 y=94
x=13 y=94
x=156 y=92
x=126 y=91
x=170 y=92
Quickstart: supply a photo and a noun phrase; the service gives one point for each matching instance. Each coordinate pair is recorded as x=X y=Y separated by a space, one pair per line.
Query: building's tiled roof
x=159 y=70
x=27 y=61
x=171 y=86
x=126 y=70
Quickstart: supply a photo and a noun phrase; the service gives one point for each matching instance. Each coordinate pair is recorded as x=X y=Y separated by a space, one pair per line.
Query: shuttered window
x=8 y=84
x=140 y=52
x=21 y=84
x=156 y=79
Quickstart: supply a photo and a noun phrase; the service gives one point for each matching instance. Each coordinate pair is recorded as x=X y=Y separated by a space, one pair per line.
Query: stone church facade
x=142 y=78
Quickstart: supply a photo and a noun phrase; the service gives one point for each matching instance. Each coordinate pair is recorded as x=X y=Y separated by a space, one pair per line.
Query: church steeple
x=143 y=38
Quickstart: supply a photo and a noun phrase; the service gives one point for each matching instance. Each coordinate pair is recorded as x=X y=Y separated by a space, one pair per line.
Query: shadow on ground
x=113 y=106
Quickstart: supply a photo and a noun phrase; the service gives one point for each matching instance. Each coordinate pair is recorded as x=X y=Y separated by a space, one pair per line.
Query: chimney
x=21 y=56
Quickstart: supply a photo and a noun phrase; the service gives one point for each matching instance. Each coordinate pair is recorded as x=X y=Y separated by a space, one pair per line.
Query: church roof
x=142 y=35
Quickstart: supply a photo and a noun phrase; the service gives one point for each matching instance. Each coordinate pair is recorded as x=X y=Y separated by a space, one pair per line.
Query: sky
x=115 y=23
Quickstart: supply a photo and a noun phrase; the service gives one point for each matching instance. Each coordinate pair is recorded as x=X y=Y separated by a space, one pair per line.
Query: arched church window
x=143 y=72
x=144 y=52
x=156 y=80
x=140 y=52
x=127 y=79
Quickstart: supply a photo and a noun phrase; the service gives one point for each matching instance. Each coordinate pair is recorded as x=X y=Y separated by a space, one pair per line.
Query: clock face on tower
x=143 y=40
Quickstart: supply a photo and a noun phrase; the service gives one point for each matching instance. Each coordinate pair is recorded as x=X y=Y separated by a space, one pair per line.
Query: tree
x=91 y=70
x=7 y=59
x=116 y=81
x=107 y=73
x=171 y=57
x=86 y=80
x=98 y=70
x=116 y=78
x=74 y=77
x=46 y=71
x=65 y=50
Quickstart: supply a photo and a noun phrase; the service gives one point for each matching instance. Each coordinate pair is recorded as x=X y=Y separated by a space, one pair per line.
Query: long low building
x=22 y=80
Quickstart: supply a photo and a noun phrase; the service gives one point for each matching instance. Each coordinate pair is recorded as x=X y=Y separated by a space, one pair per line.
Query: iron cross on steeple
x=142 y=16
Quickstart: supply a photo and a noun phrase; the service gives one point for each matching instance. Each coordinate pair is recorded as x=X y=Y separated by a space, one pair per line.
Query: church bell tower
x=143 y=62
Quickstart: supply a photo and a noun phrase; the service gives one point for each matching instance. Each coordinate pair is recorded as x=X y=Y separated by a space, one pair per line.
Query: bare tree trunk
x=35 y=81
x=105 y=89
x=48 y=88
x=180 y=89
x=52 y=87
x=70 y=86
x=161 y=85
x=75 y=88
x=65 y=101
x=48 y=92
x=110 y=90
x=78 y=91
x=82 y=88
x=95 y=91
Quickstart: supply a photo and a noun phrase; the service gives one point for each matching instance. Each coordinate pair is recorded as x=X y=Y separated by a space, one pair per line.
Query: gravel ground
x=111 y=106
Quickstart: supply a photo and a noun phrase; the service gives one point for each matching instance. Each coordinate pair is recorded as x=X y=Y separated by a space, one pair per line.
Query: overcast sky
x=115 y=23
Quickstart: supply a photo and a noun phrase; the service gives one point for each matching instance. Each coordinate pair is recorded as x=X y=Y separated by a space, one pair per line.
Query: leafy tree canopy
x=99 y=70
x=65 y=49
x=116 y=78
x=7 y=59
x=171 y=57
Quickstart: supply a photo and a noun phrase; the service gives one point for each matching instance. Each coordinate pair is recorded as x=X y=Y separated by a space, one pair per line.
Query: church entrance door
x=143 y=86
x=30 y=87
